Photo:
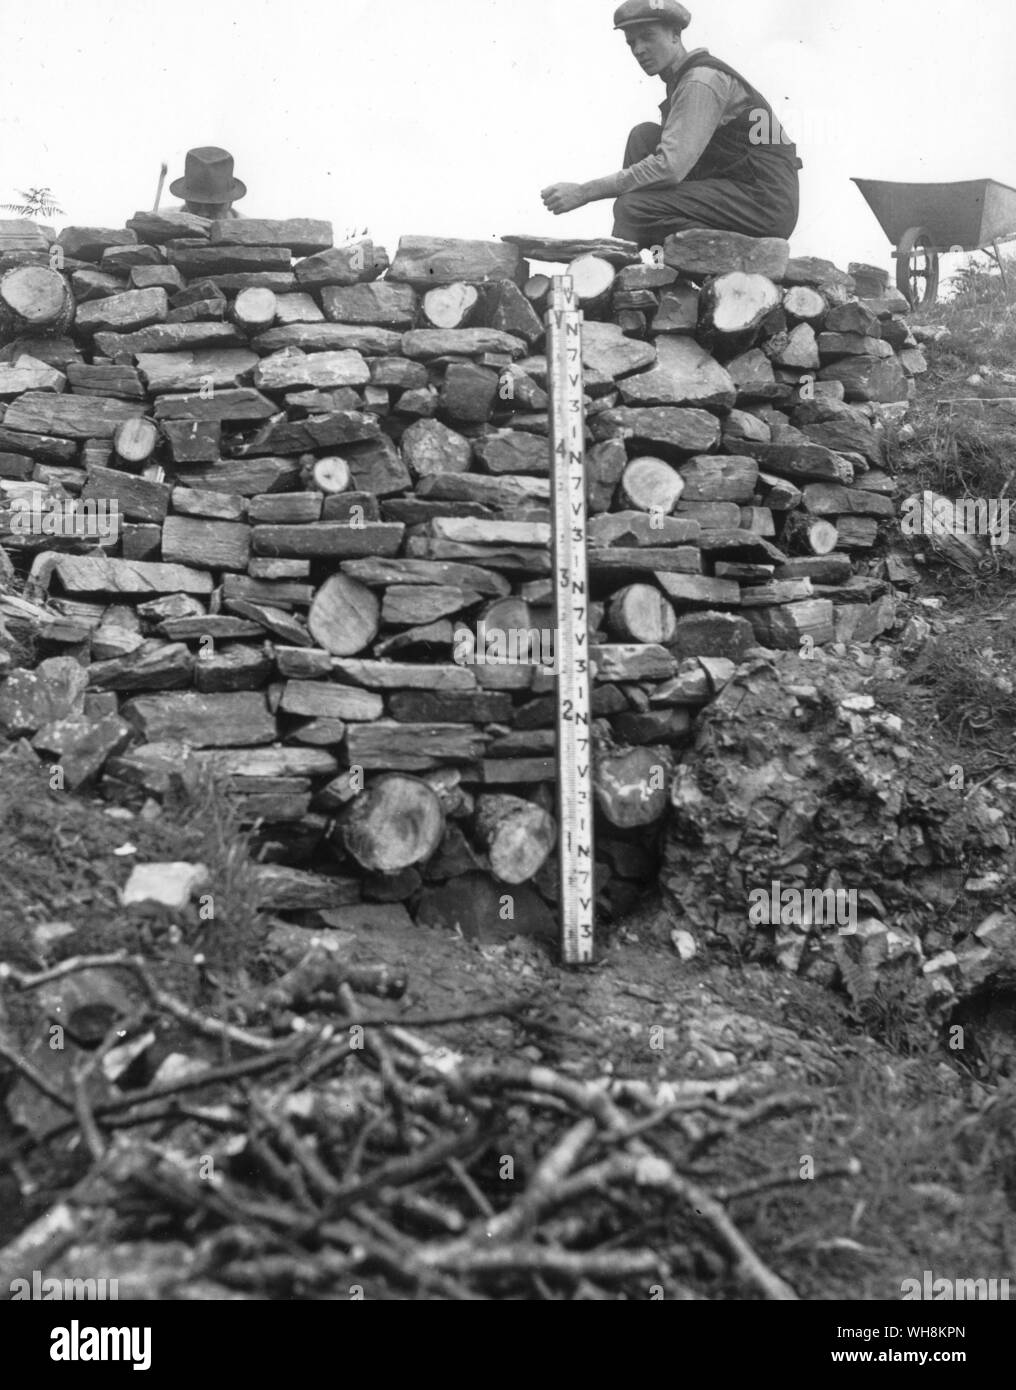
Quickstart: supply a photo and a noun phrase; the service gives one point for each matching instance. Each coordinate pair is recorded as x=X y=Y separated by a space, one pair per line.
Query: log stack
x=328 y=581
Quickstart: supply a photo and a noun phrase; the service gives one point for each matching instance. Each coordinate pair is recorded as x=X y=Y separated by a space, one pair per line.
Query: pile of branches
x=356 y=1158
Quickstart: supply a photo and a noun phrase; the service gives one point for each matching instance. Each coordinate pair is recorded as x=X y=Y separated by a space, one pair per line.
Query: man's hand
x=563 y=197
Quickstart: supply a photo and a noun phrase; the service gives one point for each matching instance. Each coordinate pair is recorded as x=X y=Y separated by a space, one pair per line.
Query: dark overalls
x=736 y=186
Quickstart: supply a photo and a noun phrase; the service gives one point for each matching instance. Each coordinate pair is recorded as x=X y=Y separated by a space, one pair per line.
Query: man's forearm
x=597 y=189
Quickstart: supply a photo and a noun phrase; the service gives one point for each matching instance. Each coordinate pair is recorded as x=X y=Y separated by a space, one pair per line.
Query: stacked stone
x=329 y=576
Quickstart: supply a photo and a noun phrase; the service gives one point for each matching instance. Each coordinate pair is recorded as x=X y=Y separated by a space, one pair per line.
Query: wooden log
x=254 y=310
x=395 y=823
x=345 y=616
x=135 y=441
x=632 y=786
x=806 y=535
x=450 y=306
x=518 y=835
x=652 y=485
x=641 y=614
x=592 y=281
x=34 y=300
x=733 y=308
x=537 y=291
x=802 y=304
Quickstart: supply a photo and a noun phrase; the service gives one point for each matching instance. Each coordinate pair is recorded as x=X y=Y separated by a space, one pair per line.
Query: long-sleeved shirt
x=705 y=100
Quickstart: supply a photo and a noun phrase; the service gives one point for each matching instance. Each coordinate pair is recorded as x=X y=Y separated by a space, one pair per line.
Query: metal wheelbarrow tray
x=924 y=219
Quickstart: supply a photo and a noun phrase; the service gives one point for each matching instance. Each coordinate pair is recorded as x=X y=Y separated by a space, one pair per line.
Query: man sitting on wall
x=208 y=186
x=720 y=159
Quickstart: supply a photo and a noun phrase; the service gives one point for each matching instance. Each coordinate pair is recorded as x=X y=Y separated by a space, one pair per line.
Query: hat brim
x=679 y=25
x=178 y=189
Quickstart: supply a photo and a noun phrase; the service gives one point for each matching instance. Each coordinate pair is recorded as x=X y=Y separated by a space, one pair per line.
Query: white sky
x=448 y=116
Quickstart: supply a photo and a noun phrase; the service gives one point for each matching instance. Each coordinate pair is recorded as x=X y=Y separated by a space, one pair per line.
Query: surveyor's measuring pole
x=571 y=645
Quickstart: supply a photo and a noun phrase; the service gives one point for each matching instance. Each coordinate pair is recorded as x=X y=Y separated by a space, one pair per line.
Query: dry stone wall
x=280 y=510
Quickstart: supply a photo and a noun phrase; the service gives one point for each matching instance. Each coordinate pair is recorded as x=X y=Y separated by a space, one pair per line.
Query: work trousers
x=764 y=206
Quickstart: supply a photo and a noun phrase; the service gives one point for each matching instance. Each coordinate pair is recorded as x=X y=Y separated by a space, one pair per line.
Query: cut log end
x=652 y=485
x=642 y=614
x=518 y=835
x=804 y=535
x=450 y=306
x=331 y=475
x=396 y=823
x=34 y=299
x=255 y=310
x=135 y=441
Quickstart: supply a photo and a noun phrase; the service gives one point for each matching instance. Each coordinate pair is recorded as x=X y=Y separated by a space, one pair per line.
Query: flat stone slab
x=619 y=253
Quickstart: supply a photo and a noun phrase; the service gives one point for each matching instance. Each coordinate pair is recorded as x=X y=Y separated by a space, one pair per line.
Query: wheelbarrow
x=924 y=219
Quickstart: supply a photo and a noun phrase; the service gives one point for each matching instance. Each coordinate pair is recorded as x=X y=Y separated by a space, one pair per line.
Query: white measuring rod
x=571 y=604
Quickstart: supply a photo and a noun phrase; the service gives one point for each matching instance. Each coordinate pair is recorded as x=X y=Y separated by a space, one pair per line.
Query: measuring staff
x=571 y=601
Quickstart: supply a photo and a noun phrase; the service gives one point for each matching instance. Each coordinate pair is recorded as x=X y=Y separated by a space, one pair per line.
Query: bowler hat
x=634 y=12
x=208 y=177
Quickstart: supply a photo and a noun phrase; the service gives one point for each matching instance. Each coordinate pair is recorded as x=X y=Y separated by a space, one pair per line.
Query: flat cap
x=651 y=12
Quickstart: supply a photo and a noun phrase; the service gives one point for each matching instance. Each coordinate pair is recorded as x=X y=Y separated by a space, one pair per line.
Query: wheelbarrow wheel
x=917 y=267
